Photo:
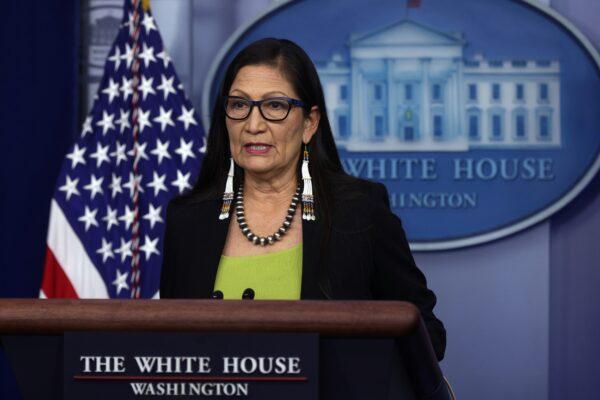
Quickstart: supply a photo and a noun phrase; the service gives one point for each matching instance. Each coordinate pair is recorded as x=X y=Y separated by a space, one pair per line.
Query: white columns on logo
x=357 y=103
x=454 y=110
x=454 y=103
x=425 y=101
x=461 y=101
x=391 y=99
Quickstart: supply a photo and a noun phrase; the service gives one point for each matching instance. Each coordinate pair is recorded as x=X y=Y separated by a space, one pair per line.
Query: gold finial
x=145 y=5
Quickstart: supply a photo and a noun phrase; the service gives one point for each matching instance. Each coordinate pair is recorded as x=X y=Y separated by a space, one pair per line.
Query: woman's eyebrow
x=274 y=93
x=265 y=95
x=240 y=91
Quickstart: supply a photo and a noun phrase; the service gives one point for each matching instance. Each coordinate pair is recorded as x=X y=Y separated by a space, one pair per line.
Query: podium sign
x=123 y=349
x=219 y=365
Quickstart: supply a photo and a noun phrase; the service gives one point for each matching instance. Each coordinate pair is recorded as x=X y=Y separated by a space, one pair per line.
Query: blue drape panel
x=39 y=49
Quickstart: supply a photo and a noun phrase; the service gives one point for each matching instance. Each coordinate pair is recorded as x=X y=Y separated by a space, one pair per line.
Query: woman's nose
x=255 y=122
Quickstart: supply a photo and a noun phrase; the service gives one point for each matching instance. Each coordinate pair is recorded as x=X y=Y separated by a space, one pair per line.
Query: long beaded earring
x=228 y=194
x=308 y=200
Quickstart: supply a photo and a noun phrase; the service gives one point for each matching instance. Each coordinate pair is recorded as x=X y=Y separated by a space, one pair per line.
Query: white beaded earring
x=228 y=194
x=308 y=200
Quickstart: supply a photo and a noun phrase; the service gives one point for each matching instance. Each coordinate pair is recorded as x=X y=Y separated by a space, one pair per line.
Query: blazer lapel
x=208 y=248
x=311 y=240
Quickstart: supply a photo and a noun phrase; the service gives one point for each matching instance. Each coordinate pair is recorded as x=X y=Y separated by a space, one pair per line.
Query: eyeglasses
x=272 y=109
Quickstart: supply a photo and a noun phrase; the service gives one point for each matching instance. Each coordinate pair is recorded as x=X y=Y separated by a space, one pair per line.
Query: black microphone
x=248 y=294
x=217 y=295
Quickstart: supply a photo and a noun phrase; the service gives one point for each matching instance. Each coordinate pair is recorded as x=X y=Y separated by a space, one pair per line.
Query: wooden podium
x=361 y=343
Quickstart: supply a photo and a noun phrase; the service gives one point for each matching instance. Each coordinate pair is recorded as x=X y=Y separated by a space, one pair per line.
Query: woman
x=273 y=215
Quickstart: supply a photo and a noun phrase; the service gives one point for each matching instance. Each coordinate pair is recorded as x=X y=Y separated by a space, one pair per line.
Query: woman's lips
x=257 y=148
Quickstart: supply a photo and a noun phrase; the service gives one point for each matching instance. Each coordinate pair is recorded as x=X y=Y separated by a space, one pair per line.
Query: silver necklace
x=264 y=240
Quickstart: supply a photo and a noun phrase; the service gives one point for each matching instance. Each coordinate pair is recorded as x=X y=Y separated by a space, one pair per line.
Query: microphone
x=248 y=294
x=217 y=295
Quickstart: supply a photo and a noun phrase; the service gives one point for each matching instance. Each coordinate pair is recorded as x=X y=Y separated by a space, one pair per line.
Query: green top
x=272 y=276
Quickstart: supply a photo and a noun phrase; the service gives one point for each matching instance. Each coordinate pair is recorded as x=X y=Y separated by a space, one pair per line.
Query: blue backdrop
x=39 y=43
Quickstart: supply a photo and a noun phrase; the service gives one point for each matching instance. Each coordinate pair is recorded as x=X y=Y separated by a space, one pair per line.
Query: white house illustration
x=407 y=87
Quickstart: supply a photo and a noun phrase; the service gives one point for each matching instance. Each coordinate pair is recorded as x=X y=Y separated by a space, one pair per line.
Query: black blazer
x=367 y=256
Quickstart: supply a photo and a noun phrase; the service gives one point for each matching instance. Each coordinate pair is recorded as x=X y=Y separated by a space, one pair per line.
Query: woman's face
x=263 y=147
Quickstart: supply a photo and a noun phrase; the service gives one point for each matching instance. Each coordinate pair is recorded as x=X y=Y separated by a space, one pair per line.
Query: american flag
x=140 y=145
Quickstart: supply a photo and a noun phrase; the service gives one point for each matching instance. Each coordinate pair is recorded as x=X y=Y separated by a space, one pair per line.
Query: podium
x=366 y=349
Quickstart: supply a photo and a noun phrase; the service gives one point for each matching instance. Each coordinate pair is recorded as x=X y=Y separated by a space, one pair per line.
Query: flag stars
x=161 y=150
x=164 y=56
x=140 y=152
x=120 y=281
x=119 y=153
x=101 y=155
x=126 y=88
x=115 y=185
x=107 y=122
x=116 y=58
x=170 y=112
x=164 y=118
x=95 y=186
x=110 y=218
x=123 y=121
x=182 y=182
x=144 y=119
x=185 y=150
x=112 y=90
x=149 y=247
x=124 y=250
x=146 y=87
x=106 y=250
x=148 y=23
x=147 y=55
x=153 y=215
x=132 y=182
x=70 y=187
x=158 y=183
x=89 y=218
x=76 y=156
x=128 y=55
x=87 y=126
x=187 y=117
x=166 y=85
x=127 y=217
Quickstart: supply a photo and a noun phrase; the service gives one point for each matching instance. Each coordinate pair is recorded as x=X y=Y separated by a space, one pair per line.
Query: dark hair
x=325 y=165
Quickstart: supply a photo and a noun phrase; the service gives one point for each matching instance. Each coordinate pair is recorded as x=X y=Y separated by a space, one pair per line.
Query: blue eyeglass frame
x=290 y=101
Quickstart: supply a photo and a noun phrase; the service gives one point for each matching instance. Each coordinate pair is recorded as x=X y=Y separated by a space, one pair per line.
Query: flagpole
x=135 y=227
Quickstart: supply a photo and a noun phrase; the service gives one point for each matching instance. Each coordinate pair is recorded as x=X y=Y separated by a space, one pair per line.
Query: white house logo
x=408 y=87
x=478 y=129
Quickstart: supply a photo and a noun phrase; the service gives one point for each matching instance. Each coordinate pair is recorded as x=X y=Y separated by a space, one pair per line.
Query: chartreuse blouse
x=272 y=276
